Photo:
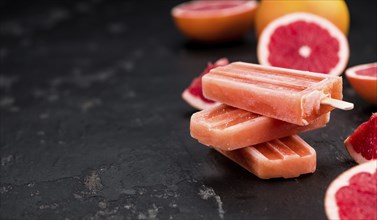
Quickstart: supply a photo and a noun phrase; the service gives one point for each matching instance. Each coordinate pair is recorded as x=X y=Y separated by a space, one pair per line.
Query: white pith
x=357 y=157
x=264 y=39
x=305 y=51
x=352 y=71
x=196 y=102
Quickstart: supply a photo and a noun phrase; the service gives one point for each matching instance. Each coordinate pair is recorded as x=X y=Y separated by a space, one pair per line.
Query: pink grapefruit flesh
x=193 y=95
x=304 y=41
x=353 y=194
x=362 y=144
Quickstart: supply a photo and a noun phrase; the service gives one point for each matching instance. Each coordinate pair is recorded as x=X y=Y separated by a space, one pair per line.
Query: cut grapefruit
x=335 y=11
x=304 y=41
x=214 y=21
x=193 y=95
x=362 y=144
x=363 y=79
x=353 y=194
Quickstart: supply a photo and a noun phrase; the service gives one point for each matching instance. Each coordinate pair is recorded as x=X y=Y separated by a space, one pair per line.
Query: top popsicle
x=293 y=96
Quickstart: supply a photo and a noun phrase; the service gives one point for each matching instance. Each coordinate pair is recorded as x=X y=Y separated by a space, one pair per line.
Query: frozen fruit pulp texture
x=288 y=95
x=286 y=157
x=229 y=128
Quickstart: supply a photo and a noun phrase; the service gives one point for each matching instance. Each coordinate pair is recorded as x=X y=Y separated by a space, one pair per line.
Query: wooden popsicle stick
x=336 y=103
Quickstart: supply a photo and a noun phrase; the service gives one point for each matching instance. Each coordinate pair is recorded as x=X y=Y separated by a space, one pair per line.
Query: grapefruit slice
x=193 y=95
x=353 y=194
x=363 y=79
x=362 y=144
x=304 y=41
x=214 y=21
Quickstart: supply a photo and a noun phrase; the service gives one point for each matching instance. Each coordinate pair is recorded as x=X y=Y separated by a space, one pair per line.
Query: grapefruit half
x=335 y=10
x=304 y=41
x=363 y=79
x=193 y=95
x=353 y=194
x=214 y=21
x=362 y=144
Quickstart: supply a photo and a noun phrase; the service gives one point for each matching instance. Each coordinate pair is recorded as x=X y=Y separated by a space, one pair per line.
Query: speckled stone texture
x=92 y=125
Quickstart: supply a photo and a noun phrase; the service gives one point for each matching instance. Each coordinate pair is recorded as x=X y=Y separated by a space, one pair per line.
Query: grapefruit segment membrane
x=304 y=41
x=363 y=79
x=362 y=144
x=193 y=95
x=353 y=194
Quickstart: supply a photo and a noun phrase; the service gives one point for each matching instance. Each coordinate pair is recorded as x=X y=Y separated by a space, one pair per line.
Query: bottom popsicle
x=286 y=157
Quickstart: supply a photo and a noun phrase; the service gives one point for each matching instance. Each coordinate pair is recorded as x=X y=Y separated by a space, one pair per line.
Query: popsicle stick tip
x=339 y=104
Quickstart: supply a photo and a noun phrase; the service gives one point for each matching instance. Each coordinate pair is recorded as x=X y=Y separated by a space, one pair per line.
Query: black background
x=93 y=125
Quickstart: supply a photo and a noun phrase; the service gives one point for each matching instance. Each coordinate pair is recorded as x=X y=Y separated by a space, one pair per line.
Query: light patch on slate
x=11 y=28
x=44 y=116
x=89 y=104
x=129 y=191
x=6 y=82
x=6 y=101
x=127 y=65
x=35 y=193
x=93 y=183
x=56 y=16
x=207 y=193
x=6 y=160
x=151 y=213
x=49 y=206
x=81 y=80
x=116 y=28
x=340 y=157
x=5 y=189
x=106 y=213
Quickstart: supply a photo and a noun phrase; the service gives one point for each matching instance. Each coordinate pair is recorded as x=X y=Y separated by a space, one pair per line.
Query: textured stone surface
x=92 y=123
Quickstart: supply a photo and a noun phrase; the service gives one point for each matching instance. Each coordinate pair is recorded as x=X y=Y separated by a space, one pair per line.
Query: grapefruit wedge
x=363 y=79
x=362 y=144
x=353 y=194
x=193 y=95
x=214 y=21
x=304 y=41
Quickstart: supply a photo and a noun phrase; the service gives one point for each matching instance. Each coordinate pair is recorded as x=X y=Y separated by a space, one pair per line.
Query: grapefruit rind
x=199 y=101
x=335 y=10
x=357 y=157
x=239 y=6
x=216 y=25
x=365 y=86
x=195 y=101
x=368 y=149
x=331 y=208
x=343 y=53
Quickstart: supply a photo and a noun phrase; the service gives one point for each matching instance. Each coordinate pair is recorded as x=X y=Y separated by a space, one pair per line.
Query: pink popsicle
x=286 y=157
x=229 y=128
x=289 y=95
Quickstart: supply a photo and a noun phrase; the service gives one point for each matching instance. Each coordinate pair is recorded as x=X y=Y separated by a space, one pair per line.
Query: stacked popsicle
x=262 y=111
